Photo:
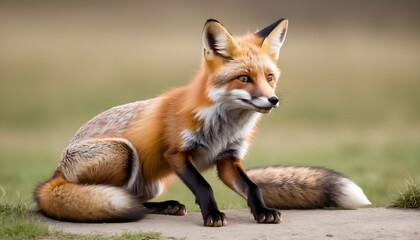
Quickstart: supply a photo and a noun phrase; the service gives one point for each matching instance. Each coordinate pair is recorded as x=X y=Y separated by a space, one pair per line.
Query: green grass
x=17 y=221
x=124 y=236
x=409 y=197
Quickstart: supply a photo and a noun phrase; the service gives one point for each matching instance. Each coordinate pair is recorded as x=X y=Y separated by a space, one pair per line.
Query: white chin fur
x=352 y=196
x=244 y=104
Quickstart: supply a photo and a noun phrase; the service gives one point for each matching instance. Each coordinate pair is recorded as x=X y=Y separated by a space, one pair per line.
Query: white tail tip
x=352 y=196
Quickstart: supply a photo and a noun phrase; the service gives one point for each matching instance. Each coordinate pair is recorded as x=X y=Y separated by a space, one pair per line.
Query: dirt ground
x=368 y=223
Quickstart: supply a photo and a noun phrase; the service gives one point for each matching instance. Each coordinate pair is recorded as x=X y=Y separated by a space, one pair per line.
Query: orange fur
x=134 y=150
x=130 y=154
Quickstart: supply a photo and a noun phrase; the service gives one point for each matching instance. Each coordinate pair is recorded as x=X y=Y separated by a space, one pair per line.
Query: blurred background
x=350 y=83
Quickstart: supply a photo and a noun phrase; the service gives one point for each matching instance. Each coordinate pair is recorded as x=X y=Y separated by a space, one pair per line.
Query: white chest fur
x=223 y=134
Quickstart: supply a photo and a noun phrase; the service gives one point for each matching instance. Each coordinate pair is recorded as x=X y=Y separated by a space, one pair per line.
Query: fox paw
x=175 y=208
x=268 y=216
x=168 y=207
x=215 y=219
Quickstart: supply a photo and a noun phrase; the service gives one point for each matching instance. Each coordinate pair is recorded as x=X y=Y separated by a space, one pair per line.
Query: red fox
x=127 y=155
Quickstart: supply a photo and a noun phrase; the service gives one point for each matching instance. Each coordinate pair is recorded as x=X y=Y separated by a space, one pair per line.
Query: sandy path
x=369 y=223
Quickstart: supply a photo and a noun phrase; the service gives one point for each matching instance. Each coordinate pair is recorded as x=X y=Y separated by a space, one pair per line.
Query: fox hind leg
x=107 y=161
x=97 y=180
x=103 y=161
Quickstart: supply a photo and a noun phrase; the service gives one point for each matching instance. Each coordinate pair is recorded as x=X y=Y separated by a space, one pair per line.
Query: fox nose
x=273 y=100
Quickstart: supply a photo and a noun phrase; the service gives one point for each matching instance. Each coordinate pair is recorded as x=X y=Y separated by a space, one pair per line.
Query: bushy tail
x=62 y=200
x=307 y=187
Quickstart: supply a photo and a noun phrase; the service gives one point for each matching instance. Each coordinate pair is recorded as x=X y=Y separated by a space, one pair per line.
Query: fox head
x=243 y=71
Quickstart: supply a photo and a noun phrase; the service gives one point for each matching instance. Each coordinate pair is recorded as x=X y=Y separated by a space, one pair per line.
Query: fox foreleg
x=233 y=174
x=188 y=173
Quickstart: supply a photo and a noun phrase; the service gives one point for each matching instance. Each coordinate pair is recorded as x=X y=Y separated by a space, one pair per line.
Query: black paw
x=266 y=215
x=168 y=207
x=175 y=208
x=215 y=219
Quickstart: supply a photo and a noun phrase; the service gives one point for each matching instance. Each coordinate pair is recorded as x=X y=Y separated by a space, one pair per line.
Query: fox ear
x=273 y=37
x=217 y=41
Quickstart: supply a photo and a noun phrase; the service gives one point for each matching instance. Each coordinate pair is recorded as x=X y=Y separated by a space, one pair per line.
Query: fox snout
x=264 y=104
x=266 y=101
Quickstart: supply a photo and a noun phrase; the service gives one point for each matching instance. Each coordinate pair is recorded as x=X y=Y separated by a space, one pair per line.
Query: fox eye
x=270 y=77
x=245 y=79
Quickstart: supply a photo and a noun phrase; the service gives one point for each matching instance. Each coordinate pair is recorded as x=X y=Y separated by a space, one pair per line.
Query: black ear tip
x=266 y=31
x=282 y=19
x=212 y=20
